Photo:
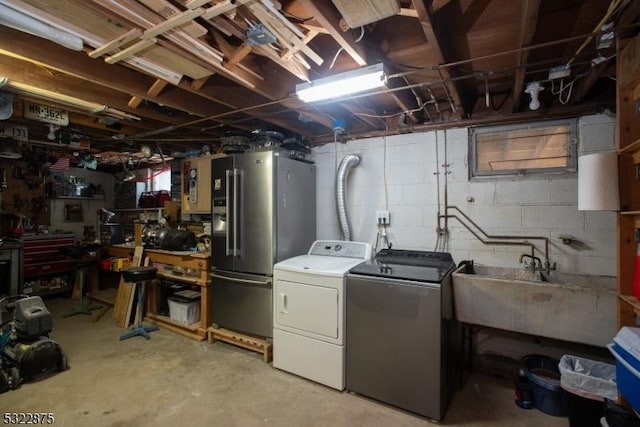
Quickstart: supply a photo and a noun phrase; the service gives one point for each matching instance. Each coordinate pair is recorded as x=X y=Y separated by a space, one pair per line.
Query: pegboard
x=25 y=194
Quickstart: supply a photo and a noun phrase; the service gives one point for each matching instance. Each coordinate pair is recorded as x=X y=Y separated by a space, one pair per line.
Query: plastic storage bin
x=186 y=313
x=544 y=376
x=588 y=383
x=626 y=350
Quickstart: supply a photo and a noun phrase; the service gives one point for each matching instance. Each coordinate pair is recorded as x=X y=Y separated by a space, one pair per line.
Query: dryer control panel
x=341 y=248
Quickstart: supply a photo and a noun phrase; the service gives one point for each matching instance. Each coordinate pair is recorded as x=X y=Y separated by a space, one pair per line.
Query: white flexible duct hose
x=341 y=192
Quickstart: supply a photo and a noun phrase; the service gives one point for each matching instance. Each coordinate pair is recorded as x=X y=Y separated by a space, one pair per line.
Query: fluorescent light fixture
x=12 y=18
x=338 y=85
x=59 y=98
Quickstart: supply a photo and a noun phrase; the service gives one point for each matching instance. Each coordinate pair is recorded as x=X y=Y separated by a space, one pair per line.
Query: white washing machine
x=309 y=310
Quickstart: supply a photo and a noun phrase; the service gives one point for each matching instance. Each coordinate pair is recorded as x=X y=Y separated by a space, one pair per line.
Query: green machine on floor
x=26 y=351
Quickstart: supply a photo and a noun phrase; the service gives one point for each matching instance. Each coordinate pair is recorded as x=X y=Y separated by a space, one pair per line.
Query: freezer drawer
x=242 y=302
x=393 y=337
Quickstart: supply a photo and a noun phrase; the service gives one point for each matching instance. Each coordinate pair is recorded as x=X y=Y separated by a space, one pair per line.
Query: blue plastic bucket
x=544 y=376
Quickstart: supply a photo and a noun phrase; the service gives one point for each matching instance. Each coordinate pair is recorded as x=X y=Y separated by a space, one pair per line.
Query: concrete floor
x=173 y=381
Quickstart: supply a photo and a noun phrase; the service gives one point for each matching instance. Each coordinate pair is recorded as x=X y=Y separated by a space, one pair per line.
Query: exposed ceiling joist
x=435 y=43
x=329 y=18
x=528 y=23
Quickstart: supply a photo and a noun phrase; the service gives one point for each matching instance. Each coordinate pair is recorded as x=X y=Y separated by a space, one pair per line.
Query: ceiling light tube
x=339 y=85
x=59 y=98
x=21 y=22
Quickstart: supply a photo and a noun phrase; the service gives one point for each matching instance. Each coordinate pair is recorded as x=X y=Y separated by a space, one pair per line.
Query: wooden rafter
x=130 y=51
x=528 y=21
x=54 y=57
x=167 y=10
x=329 y=18
x=156 y=88
x=239 y=29
x=438 y=4
x=404 y=11
x=283 y=33
x=238 y=55
x=435 y=42
x=197 y=84
x=116 y=43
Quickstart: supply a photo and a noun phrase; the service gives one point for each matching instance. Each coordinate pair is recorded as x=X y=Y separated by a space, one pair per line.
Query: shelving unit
x=628 y=145
x=196 y=262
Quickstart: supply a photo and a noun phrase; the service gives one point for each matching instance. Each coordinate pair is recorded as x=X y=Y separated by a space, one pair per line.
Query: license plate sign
x=45 y=113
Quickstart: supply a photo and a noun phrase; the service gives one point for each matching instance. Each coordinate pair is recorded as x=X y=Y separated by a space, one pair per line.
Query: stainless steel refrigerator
x=263 y=211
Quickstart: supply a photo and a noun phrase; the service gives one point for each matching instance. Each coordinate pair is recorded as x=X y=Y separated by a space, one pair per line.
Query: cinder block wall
x=411 y=167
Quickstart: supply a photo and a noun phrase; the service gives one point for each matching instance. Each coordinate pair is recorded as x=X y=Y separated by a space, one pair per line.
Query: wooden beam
x=167 y=10
x=173 y=22
x=116 y=43
x=411 y=13
x=316 y=28
x=48 y=55
x=438 y=4
x=130 y=51
x=219 y=8
x=198 y=83
x=586 y=83
x=282 y=32
x=156 y=88
x=311 y=34
x=436 y=44
x=135 y=101
x=329 y=18
x=29 y=74
x=527 y=29
x=238 y=55
x=239 y=29
x=52 y=57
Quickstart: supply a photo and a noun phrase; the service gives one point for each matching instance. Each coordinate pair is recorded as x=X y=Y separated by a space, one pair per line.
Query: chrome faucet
x=531 y=265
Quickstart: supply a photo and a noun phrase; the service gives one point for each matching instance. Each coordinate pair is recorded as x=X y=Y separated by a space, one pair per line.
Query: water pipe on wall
x=500 y=239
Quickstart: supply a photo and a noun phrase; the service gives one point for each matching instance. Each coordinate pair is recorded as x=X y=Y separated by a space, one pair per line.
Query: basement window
x=545 y=147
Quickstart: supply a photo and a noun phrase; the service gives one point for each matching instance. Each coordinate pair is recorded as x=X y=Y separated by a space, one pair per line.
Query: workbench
x=193 y=269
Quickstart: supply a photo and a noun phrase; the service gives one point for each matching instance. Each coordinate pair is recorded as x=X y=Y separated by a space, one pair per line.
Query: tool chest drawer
x=46 y=254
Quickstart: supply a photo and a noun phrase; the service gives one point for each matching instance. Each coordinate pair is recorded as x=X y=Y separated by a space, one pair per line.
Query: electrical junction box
x=259 y=35
x=559 y=72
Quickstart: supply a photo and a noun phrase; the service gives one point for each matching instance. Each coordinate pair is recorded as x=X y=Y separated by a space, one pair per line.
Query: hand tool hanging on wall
x=3 y=185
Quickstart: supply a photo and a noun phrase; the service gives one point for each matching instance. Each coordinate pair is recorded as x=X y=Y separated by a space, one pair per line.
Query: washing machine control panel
x=340 y=248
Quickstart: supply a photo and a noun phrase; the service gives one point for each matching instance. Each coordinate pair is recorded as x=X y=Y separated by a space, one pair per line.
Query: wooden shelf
x=100 y=197
x=630 y=148
x=630 y=213
x=183 y=278
x=632 y=301
x=195 y=331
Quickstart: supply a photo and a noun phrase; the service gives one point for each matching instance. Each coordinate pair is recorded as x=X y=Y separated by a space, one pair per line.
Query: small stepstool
x=245 y=341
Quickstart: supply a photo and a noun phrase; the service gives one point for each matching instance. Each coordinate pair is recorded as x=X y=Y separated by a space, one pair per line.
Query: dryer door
x=306 y=309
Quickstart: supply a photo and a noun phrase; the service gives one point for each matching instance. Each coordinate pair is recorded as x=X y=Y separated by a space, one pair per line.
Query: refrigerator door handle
x=227 y=188
x=236 y=252
x=233 y=279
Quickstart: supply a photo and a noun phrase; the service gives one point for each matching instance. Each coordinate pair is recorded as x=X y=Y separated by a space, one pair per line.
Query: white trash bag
x=588 y=378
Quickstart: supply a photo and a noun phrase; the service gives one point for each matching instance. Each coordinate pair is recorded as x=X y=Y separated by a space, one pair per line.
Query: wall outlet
x=383 y=218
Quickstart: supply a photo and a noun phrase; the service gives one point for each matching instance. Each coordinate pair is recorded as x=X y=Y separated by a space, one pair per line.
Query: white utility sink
x=570 y=307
